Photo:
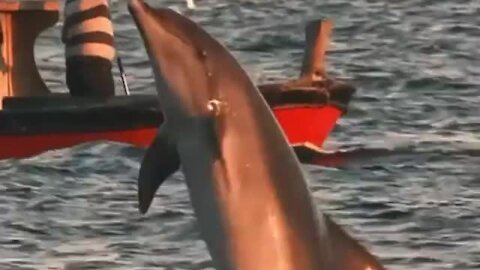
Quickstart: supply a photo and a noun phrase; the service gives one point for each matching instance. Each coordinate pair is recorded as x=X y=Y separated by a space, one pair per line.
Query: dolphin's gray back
x=266 y=199
x=265 y=217
x=266 y=188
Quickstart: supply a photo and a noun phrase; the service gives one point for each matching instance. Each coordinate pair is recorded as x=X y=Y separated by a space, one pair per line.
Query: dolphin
x=246 y=186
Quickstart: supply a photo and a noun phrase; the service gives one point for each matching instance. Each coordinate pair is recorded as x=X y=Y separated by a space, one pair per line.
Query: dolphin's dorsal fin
x=160 y=161
x=348 y=253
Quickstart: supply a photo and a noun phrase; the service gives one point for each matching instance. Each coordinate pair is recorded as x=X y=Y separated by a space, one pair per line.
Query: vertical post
x=21 y=23
x=6 y=55
x=317 y=35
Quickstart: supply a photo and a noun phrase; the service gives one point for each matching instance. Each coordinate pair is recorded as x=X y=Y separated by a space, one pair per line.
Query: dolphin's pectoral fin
x=160 y=161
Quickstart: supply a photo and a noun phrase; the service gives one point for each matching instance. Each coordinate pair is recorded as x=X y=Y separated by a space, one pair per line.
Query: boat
x=307 y=109
x=32 y=125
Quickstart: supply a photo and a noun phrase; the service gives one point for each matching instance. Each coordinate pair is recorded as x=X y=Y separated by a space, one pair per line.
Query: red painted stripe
x=21 y=146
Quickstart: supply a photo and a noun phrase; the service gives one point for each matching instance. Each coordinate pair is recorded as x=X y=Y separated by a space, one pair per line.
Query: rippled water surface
x=416 y=65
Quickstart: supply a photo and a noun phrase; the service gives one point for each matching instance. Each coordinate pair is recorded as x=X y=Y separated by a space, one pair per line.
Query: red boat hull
x=302 y=124
x=307 y=124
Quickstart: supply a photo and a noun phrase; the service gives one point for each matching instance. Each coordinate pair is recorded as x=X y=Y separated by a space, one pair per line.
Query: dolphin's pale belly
x=205 y=202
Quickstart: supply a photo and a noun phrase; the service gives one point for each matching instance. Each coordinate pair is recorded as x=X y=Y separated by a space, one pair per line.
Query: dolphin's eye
x=215 y=106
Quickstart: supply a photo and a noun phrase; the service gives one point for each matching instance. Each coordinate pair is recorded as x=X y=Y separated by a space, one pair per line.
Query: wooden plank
x=19 y=5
